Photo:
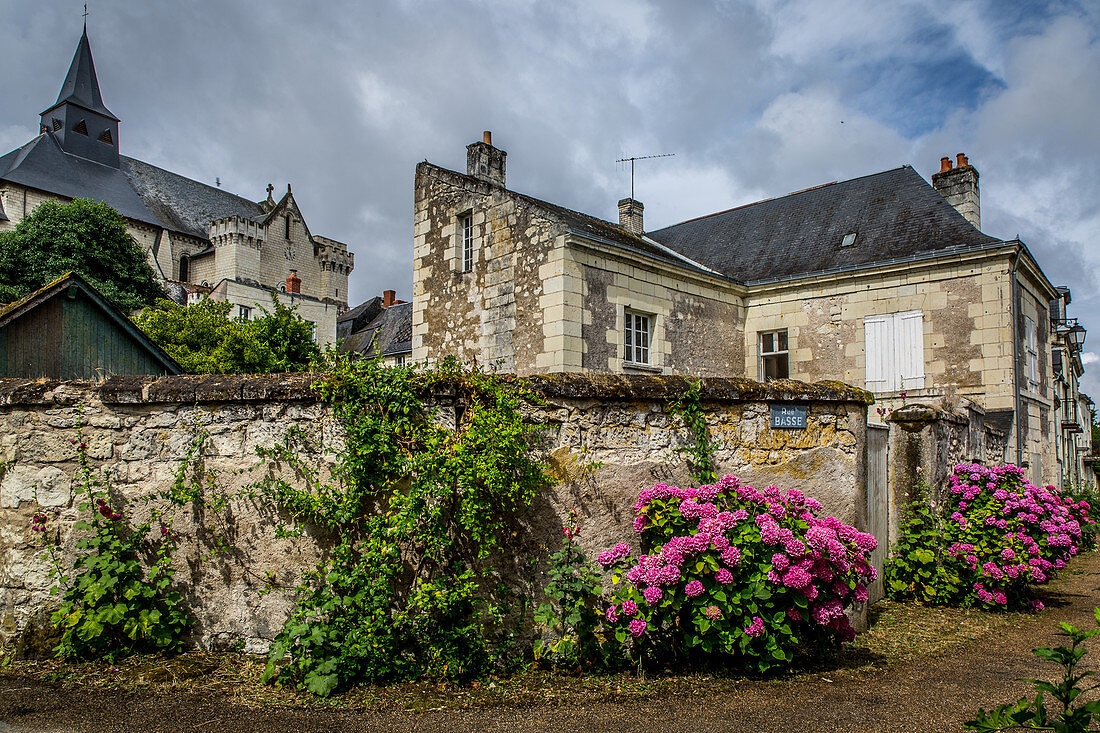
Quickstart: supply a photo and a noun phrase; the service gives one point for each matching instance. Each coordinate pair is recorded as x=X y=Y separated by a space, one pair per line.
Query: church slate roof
x=43 y=165
x=894 y=214
x=138 y=190
x=182 y=204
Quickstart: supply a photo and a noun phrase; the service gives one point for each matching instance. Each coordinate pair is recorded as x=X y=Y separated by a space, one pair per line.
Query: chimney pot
x=293 y=282
x=487 y=137
x=960 y=160
x=945 y=164
x=389 y=297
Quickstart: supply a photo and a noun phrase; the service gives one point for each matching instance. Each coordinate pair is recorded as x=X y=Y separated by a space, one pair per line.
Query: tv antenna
x=640 y=157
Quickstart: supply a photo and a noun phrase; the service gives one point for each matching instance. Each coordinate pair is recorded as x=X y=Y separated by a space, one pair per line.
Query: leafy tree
x=203 y=339
x=84 y=236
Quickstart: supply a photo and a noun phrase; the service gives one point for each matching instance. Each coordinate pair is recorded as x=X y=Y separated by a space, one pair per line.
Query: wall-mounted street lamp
x=1075 y=337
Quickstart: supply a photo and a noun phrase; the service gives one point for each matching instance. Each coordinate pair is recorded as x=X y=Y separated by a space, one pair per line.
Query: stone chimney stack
x=630 y=216
x=293 y=282
x=959 y=185
x=484 y=161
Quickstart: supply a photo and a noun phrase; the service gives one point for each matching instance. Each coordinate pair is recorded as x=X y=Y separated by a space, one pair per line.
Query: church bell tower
x=78 y=120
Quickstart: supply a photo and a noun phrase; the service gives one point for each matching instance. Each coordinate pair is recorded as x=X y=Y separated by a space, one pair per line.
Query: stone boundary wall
x=606 y=437
x=936 y=439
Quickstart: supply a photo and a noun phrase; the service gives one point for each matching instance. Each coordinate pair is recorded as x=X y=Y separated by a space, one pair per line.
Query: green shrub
x=991 y=539
x=418 y=515
x=118 y=597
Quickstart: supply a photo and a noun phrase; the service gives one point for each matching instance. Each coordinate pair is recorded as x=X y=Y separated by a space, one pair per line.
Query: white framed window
x=1031 y=344
x=894 y=347
x=246 y=312
x=774 y=356
x=466 y=232
x=637 y=335
x=399 y=360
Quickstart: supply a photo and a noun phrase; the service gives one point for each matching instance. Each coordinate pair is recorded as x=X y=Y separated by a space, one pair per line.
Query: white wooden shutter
x=880 y=351
x=1032 y=345
x=909 y=328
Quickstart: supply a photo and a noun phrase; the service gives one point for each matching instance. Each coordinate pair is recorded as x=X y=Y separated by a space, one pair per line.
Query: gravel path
x=931 y=693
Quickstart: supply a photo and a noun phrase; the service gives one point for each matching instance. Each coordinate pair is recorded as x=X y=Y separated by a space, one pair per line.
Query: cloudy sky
x=755 y=97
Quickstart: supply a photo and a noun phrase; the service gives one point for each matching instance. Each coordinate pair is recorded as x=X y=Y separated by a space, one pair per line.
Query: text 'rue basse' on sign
x=788 y=416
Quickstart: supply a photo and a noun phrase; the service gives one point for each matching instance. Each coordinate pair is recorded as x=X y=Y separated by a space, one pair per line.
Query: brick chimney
x=959 y=185
x=630 y=216
x=293 y=282
x=484 y=161
x=389 y=297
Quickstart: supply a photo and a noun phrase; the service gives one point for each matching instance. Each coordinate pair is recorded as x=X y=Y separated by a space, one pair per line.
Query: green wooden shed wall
x=67 y=330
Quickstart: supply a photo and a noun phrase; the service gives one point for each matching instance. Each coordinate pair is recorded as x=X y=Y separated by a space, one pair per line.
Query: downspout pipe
x=1013 y=310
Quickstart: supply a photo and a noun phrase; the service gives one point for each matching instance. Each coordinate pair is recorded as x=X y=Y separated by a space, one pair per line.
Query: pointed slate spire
x=78 y=121
x=81 y=86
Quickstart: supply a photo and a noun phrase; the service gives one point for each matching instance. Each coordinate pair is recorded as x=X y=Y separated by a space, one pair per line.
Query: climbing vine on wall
x=419 y=517
x=689 y=406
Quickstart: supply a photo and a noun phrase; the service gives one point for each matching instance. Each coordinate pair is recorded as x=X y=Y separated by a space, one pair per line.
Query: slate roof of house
x=894 y=214
x=589 y=226
x=390 y=332
x=138 y=190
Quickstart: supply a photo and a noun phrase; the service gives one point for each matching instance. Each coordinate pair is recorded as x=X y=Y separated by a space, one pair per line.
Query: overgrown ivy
x=419 y=517
x=699 y=452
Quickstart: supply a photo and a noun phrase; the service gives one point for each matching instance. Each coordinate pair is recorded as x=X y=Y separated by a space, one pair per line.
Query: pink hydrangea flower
x=637 y=627
x=693 y=589
x=723 y=576
x=756 y=628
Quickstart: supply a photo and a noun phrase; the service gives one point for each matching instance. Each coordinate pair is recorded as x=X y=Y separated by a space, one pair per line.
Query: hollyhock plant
x=992 y=539
x=726 y=570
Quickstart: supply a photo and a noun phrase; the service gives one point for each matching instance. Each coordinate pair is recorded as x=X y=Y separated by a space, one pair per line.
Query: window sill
x=638 y=367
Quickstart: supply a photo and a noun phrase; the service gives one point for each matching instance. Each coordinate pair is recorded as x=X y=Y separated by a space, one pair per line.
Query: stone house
x=882 y=281
x=199 y=238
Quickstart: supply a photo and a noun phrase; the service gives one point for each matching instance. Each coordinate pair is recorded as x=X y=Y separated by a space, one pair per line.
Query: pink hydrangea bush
x=728 y=570
x=993 y=538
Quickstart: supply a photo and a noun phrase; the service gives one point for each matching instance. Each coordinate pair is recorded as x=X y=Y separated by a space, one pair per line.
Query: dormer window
x=81 y=128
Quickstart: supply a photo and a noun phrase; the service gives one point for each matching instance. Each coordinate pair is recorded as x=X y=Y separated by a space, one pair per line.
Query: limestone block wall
x=966 y=307
x=696 y=321
x=489 y=314
x=604 y=438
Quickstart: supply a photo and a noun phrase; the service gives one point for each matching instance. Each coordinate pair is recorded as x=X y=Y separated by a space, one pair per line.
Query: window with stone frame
x=637 y=337
x=466 y=242
x=774 y=357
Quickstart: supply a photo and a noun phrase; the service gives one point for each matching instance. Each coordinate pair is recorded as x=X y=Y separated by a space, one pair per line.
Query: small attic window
x=106 y=138
x=849 y=240
x=57 y=124
x=81 y=128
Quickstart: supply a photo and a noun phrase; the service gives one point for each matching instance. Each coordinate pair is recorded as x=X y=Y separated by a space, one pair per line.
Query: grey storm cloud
x=756 y=98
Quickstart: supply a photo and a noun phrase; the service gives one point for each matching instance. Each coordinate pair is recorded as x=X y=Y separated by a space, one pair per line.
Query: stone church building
x=882 y=281
x=200 y=239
